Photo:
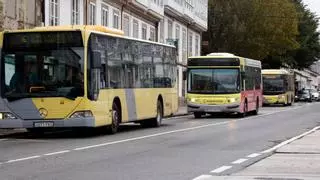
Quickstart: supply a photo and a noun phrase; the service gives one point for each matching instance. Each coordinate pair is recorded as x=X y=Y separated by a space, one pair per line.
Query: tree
x=252 y=28
x=308 y=38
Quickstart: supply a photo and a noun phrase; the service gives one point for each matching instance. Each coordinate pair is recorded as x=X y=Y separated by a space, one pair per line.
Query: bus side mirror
x=184 y=75
x=96 y=60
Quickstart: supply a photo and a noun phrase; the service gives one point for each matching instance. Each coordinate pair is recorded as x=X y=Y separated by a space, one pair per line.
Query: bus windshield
x=273 y=85
x=42 y=68
x=214 y=81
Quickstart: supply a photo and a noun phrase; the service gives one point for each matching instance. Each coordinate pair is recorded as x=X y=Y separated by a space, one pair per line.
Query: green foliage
x=309 y=50
x=253 y=28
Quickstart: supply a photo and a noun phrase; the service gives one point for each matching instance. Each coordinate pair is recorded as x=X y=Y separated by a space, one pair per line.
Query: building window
x=178 y=34
x=126 y=25
x=105 y=15
x=197 y=53
x=92 y=13
x=169 y=29
x=184 y=44
x=135 y=28
x=116 y=19
x=177 y=31
x=188 y=4
x=54 y=12
x=144 y=31
x=190 y=45
x=152 y=34
x=161 y=33
x=75 y=18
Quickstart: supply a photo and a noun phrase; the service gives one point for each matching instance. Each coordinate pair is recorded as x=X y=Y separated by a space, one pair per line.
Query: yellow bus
x=278 y=87
x=223 y=82
x=84 y=76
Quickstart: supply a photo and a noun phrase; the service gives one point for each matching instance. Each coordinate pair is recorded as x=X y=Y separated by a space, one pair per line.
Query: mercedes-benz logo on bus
x=43 y=112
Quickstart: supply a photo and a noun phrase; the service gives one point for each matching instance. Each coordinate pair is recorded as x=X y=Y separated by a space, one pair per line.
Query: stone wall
x=20 y=14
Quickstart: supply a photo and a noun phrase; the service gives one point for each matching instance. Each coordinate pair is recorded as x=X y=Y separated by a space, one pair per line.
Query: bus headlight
x=81 y=114
x=7 y=115
x=281 y=97
x=193 y=99
x=232 y=100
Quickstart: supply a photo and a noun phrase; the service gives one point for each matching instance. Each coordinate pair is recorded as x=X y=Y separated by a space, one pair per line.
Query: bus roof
x=244 y=61
x=275 y=71
x=92 y=28
x=97 y=28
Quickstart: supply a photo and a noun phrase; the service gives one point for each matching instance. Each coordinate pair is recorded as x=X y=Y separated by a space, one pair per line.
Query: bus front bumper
x=234 y=107
x=273 y=100
x=52 y=123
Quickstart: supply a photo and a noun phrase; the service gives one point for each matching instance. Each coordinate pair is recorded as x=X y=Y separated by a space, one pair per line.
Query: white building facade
x=155 y=20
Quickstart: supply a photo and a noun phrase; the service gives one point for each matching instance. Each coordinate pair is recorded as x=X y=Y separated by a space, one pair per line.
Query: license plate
x=43 y=124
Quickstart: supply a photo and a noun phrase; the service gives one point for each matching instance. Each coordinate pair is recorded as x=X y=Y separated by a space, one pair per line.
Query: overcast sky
x=313 y=5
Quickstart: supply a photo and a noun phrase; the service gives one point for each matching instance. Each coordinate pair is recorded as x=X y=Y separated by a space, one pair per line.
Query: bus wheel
x=291 y=102
x=256 y=112
x=156 y=122
x=245 y=110
x=113 y=128
x=197 y=115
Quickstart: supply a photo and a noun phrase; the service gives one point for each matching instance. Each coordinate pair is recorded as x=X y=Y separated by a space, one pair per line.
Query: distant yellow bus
x=84 y=76
x=278 y=87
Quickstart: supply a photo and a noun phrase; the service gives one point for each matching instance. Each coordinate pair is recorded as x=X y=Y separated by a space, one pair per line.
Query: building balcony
x=173 y=8
x=148 y=6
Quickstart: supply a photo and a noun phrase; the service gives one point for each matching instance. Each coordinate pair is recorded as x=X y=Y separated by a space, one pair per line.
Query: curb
x=274 y=148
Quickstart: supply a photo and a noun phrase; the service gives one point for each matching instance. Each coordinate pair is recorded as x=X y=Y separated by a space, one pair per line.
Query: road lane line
x=203 y=177
x=176 y=131
x=23 y=159
x=290 y=140
x=221 y=169
x=253 y=155
x=157 y=134
x=239 y=161
x=55 y=153
x=3 y=139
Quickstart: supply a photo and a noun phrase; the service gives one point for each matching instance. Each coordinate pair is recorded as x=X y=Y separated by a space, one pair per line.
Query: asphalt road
x=184 y=148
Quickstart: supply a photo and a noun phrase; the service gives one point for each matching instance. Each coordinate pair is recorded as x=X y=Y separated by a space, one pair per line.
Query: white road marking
x=239 y=161
x=175 y=131
x=55 y=153
x=253 y=155
x=221 y=169
x=291 y=140
x=203 y=177
x=157 y=134
x=3 y=139
x=22 y=159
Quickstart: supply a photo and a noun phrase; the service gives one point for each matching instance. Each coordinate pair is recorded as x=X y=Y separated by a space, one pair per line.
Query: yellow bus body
x=286 y=97
x=136 y=103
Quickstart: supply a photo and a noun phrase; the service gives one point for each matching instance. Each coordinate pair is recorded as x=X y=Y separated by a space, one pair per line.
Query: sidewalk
x=299 y=160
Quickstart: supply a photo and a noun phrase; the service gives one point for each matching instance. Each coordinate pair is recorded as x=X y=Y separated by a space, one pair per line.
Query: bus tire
x=156 y=122
x=256 y=111
x=116 y=119
x=245 y=110
x=291 y=101
x=197 y=115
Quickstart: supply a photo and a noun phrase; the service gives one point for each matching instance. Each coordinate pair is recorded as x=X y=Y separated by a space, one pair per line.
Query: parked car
x=315 y=95
x=304 y=95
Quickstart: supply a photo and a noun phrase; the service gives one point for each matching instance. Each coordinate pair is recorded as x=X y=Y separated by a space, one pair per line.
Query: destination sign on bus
x=42 y=39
